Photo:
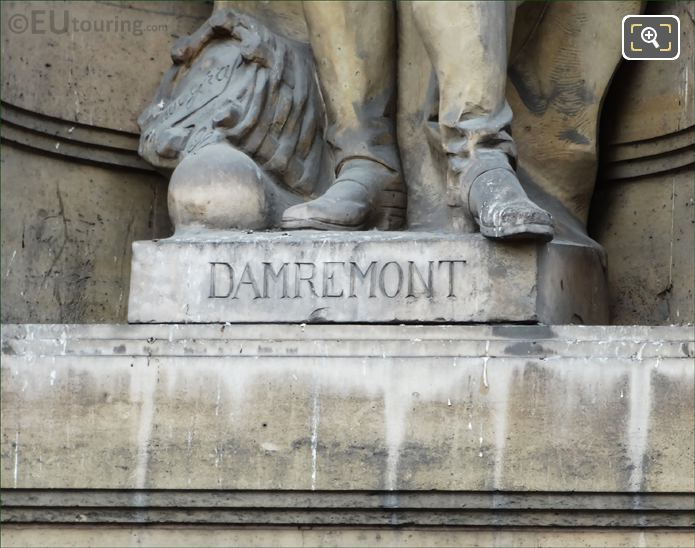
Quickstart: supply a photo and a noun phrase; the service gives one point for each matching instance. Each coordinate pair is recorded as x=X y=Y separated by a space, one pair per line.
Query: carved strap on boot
x=392 y=203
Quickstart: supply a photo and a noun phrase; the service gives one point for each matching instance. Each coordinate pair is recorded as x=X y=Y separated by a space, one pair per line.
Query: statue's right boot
x=366 y=194
x=499 y=205
x=473 y=116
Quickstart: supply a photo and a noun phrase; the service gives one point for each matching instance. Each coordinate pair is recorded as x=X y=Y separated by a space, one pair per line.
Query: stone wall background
x=74 y=192
x=75 y=195
x=642 y=211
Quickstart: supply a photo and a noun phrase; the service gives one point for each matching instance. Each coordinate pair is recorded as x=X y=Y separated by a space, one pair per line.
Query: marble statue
x=306 y=123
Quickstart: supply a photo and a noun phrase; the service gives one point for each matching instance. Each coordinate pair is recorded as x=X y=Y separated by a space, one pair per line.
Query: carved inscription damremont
x=334 y=279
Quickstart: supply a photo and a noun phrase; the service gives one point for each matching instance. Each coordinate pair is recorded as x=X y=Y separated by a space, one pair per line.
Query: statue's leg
x=354 y=47
x=467 y=43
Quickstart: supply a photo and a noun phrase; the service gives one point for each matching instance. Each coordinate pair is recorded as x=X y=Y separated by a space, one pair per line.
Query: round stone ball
x=217 y=187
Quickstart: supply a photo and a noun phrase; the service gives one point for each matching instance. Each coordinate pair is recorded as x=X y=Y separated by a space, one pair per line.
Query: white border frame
x=678 y=34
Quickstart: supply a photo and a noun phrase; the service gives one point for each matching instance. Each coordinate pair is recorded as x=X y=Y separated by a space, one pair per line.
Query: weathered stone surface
x=650 y=100
x=643 y=211
x=515 y=408
x=75 y=78
x=658 y=291
x=50 y=66
x=313 y=276
x=66 y=235
x=150 y=535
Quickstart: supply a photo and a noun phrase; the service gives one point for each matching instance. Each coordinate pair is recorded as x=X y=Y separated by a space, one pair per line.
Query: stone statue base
x=315 y=277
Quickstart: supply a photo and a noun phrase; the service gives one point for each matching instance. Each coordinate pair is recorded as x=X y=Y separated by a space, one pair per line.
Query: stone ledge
x=349 y=509
x=358 y=407
x=225 y=535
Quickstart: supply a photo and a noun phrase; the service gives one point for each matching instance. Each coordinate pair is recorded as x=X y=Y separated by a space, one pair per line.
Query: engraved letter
x=412 y=270
x=329 y=289
x=214 y=287
x=451 y=274
x=382 y=275
x=268 y=272
x=247 y=279
x=301 y=278
x=371 y=272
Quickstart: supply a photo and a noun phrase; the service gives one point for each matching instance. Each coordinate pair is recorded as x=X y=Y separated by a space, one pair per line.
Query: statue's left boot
x=365 y=195
x=503 y=211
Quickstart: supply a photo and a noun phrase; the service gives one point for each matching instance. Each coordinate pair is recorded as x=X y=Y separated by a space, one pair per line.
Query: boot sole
x=318 y=224
x=531 y=231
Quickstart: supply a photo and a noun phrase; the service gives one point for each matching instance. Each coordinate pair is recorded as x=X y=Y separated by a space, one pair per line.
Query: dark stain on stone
x=567 y=97
x=527 y=348
x=7 y=349
x=300 y=443
x=524 y=331
x=528 y=89
x=573 y=136
x=413 y=455
x=535 y=374
x=498 y=271
x=120 y=349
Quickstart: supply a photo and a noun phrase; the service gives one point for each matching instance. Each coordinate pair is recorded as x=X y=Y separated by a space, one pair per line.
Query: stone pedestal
x=108 y=429
x=313 y=276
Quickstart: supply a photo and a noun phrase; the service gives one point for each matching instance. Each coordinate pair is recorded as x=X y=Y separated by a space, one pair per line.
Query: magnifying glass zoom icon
x=649 y=35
